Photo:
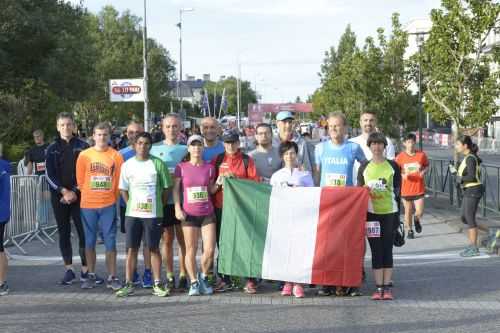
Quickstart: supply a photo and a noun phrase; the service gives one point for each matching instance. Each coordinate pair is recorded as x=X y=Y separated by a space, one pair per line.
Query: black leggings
x=63 y=213
x=470 y=202
x=2 y=232
x=382 y=246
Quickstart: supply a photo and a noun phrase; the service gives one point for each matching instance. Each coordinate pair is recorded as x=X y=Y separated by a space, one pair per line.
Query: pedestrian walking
x=4 y=218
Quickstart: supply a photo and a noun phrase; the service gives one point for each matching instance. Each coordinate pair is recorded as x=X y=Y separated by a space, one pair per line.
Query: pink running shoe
x=378 y=294
x=298 y=290
x=287 y=289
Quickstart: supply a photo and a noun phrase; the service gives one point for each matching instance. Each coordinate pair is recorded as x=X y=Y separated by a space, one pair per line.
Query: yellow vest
x=463 y=166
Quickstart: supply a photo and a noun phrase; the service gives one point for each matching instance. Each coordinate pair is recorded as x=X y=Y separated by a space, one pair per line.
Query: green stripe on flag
x=244 y=227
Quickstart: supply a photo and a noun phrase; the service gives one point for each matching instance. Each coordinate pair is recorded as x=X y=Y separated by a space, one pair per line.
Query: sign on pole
x=126 y=90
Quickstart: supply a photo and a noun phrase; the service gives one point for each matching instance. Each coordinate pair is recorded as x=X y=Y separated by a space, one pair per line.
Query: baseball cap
x=230 y=136
x=284 y=115
x=194 y=138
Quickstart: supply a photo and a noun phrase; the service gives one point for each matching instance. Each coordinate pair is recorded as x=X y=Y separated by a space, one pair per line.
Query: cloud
x=293 y=8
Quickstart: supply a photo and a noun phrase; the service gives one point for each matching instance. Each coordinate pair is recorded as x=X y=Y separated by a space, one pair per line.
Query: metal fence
x=31 y=211
x=439 y=181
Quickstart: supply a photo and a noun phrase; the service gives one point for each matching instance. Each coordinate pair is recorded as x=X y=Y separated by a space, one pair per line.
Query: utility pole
x=145 y=72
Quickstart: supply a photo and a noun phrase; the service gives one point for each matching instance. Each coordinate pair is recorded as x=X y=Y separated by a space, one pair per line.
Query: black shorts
x=198 y=221
x=413 y=197
x=169 y=219
x=2 y=232
x=137 y=227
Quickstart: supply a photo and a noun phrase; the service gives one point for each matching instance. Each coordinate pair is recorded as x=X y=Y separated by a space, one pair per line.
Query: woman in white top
x=291 y=176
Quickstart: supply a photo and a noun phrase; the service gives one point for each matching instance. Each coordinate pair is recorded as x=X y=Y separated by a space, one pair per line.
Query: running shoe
x=147 y=279
x=127 y=290
x=388 y=294
x=470 y=251
x=113 y=283
x=411 y=234
x=250 y=287
x=287 y=289
x=205 y=288
x=221 y=286
x=136 y=279
x=325 y=291
x=354 y=292
x=298 y=291
x=68 y=278
x=89 y=282
x=378 y=294
x=160 y=291
x=194 y=289
x=4 y=289
x=97 y=279
x=418 y=225
x=183 y=283
x=170 y=282
x=340 y=291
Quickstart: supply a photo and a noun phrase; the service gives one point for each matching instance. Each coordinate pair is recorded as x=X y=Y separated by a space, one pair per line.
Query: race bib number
x=373 y=229
x=144 y=206
x=197 y=194
x=377 y=185
x=336 y=179
x=40 y=167
x=100 y=183
x=412 y=167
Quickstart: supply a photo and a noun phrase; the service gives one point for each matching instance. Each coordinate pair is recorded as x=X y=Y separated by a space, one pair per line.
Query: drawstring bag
x=399 y=235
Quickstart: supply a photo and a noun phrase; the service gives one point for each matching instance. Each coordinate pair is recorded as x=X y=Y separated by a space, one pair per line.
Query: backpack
x=220 y=158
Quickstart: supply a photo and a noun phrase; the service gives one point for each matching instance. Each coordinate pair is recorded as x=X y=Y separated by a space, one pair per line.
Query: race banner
x=256 y=112
x=126 y=90
x=274 y=233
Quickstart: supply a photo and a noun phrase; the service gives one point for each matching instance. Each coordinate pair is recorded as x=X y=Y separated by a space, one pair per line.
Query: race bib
x=412 y=167
x=336 y=179
x=197 y=194
x=100 y=183
x=40 y=167
x=373 y=229
x=144 y=206
x=377 y=185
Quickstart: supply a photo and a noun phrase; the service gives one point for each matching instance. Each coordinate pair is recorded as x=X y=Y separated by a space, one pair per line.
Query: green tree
x=248 y=95
x=461 y=80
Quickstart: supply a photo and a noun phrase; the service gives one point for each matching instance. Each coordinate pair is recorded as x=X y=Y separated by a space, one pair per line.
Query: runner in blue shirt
x=334 y=167
x=4 y=218
x=212 y=145
x=171 y=152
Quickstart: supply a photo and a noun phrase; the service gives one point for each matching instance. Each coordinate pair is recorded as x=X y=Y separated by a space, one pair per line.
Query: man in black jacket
x=65 y=196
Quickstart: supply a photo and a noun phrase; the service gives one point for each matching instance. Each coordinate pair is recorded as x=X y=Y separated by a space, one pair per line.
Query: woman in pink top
x=196 y=212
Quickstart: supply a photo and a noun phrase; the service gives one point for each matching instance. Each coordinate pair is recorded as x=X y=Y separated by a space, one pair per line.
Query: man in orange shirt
x=413 y=166
x=231 y=163
x=97 y=176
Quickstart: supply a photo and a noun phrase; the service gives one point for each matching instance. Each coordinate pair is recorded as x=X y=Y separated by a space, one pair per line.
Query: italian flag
x=298 y=234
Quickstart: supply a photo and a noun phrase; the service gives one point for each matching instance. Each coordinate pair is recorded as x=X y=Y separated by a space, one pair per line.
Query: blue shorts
x=103 y=219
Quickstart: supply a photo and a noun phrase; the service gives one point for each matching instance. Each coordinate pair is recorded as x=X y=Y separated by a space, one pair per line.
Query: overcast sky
x=279 y=43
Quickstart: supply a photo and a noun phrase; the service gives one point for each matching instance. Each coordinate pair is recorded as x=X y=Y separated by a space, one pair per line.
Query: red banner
x=256 y=111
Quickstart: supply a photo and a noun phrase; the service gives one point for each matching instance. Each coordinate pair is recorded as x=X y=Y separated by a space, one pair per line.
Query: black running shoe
x=325 y=291
x=418 y=225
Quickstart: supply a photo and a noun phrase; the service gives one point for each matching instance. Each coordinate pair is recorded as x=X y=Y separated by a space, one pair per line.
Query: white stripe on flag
x=291 y=234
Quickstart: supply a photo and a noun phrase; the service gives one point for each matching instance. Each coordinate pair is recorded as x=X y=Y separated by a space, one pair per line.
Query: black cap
x=230 y=136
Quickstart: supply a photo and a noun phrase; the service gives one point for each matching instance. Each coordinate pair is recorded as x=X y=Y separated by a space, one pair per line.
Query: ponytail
x=474 y=149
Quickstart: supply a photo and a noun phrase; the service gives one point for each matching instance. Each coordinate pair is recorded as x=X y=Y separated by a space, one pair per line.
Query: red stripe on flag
x=340 y=239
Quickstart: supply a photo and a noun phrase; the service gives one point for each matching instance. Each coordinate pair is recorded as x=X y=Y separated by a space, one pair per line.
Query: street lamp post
x=145 y=72
x=179 y=81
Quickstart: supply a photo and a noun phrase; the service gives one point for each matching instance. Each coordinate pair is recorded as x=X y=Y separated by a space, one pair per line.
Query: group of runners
x=170 y=191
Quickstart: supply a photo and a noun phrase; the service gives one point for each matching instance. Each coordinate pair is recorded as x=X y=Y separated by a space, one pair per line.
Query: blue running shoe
x=136 y=280
x=147 y=279
x=194 y=289
x=68 y=278
x=97 y=279
x=205 y=288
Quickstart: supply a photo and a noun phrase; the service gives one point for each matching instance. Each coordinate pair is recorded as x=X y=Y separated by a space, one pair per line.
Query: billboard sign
x=256 y=112
x=126 y=90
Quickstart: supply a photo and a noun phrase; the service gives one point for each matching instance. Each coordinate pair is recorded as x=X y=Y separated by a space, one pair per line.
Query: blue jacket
x=60 y=166
x=4 y=191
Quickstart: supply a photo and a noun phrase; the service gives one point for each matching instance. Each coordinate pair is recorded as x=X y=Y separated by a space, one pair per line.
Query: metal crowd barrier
x=31 y=211
x=439 y=181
